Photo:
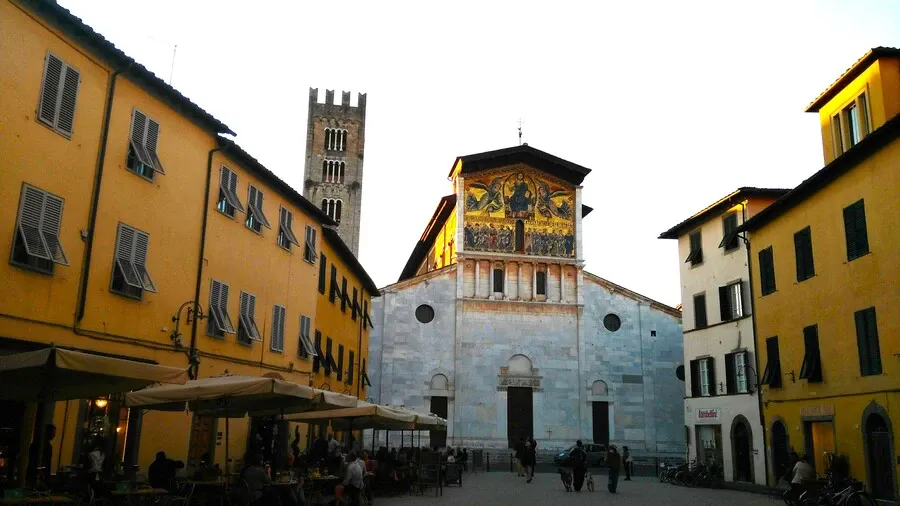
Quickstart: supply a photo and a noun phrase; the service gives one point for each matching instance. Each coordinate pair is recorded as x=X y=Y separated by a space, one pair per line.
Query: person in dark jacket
x=613 y=464
x=579 y=465
x=530 y=458
x=319 y=450
x=161 y=473
x=520 y=455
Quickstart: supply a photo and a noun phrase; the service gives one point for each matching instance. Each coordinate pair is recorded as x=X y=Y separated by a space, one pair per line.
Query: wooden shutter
x=66 y=116
x=317 y=359
x=355 y=308
x=125 y=249
x=803 y=254
x=351 y=360
x=730 y=374
x=223 y=308
x=340 y=362
x=766 y=271
x=141 y=245
x=31 y=210
x=215 y=305
x=855 y=230
x=277 y=341
x=139 y=138
x=695 y=378
x=711 y=368
x=50 y=227
x=151 y=144
x=365 y=313
x=343 y=294
x=323 y=265
x=53 y=74
x=867 y=341
x=334 y=284
x=700 y=320
x=725 y=311
x=328 y=358
x=774 y=362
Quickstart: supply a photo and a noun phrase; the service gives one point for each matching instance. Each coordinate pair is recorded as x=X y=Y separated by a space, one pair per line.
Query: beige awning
x=231 y=396
x=364 y=416
x=62 y=374
x=323 y=400
x=430 y=422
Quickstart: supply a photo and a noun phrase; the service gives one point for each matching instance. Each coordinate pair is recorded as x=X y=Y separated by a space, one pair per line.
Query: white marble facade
x=481 y=343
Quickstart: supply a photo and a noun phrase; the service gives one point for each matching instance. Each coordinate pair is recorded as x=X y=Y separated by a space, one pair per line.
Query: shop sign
x=813 y=411
x=709 y=415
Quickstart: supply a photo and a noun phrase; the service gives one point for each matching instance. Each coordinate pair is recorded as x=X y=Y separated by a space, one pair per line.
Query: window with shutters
x=804 y=254
x=309 y=253
x=345 y=299
x=228 y=201
x=811 y=369
x=695 y=257
x=729 y=236
x=855 y=230
x=59 y=90
x=498 y=280
x=867 y=342
x=247 y=329
x=36 y=244
x=351 y=359
x=731 y=301
x=335 y=291
x=736 y=372
x=766 y=271
x=256 y=220
x=335 y=139
x=772 y=373
x=277 y=341
x=340 y=363
x=305 y=347
x=707 y=380
x=130 y=276
x=218 y=321
x=323 y=266
x=700 y=311
x=143 y=159
x=355 y=308
x=541 y=283
x=329 y=359
x=319 y=357
x=286 y=235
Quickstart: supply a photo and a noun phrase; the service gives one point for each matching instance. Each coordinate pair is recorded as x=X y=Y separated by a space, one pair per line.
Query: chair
x=186 y=498
x=454 y=475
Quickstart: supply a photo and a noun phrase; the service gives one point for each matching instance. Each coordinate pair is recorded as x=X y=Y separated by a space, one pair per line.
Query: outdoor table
x=127 y=496
x=41 y=499
x=317 y=486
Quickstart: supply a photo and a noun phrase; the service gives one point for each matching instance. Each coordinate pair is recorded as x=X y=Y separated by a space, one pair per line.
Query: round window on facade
x=612 y=322
x=425 y=313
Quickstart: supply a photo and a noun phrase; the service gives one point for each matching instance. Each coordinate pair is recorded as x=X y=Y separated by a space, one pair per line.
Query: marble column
x=534 y=268
x=477 y=277
x=519 y=281
x=505 y=280
x=562 y=283
x=491 y=280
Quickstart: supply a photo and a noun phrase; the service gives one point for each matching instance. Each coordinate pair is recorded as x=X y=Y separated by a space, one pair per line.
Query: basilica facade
x=495 y=325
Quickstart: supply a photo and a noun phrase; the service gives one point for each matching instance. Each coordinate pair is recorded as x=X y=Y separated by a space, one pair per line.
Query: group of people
x=526 y=455
x=615 y=462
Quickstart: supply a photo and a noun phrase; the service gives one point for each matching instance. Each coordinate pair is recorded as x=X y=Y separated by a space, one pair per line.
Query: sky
x=671 y=104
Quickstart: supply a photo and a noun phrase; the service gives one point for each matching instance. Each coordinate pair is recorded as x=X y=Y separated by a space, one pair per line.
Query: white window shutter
x=66 y=116
x=138 y=137
x=53 y=74
x=125 y=246
x=223 y=309
x=151 y=144
x=31 y=210
x=142 y=244
x=50 y=226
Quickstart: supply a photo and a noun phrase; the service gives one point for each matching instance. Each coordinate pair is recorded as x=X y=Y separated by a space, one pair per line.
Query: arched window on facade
x=519 y=365
x=520 y=236
x=337 y=211
x=341 y=177
x=324 y=170
x=599 y=388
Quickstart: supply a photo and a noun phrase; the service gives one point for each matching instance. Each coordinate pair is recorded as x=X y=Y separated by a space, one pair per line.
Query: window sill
x=125 y=295
x=769 y=293
x=257 y=232
x=857 y=257
x=804 y=279
x=150 y=180
x=280 y=352
x=29 y=268
x=214 y=336
x=287 y=250
x=67 y=135
x=244 y=343
x=310 y=262
x=223 y=213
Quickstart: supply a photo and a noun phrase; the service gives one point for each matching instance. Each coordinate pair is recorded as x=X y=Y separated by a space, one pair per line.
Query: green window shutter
x=730 y=383
x=855 y=230
x=323 y=265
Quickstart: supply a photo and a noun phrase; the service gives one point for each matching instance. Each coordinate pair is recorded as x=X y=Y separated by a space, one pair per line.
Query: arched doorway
x=780 y=449
x=742 y=449
x=439 y=387
x=519 y=374
x=879 y=459
x=600 y=413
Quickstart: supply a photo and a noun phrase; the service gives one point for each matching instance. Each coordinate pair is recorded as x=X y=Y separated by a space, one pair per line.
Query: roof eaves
x=850 y=74
x=577 y=172
x=716 y=207
x=75 y=27
x=821 y=178
x=332 y=236
x=440 y=216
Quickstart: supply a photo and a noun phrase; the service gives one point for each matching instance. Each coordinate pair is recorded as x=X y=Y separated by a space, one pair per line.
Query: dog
x=589 y=481
x=566 y=478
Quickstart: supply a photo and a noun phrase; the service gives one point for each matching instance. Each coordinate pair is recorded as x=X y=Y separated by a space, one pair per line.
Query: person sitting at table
x=254 y=476
x=96 y=459
x=161 y=473
x=353 y=479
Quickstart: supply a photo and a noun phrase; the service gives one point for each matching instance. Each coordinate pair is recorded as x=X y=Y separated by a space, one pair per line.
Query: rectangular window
x=351 y=359
x=142 y=156
x=305 y=347
x=130 y=277
x=228 y=201
x=541 y=283
x=811 y=369
x=323 y=265
x=837 y=135
x=309 y=254
x=863 y=103
x=59 y=89
x=766 y=271
x=854 y=127
x=334 y=284
x=740 y=363
x=256 y=220
x=329 y=359
x=707 y=377
x=867 y=341
x=277 y=342
x=804 y=254
x=498 y=280
x=695 y=257
x=700 y=311
x=344 y=298
x=772 y=373
x=731 y=301
x=219 y=321
x=855 y=230
x=340 y=363
x=319 y=357
x=355 y=304
x=729 y=236
x=286 y=235
x=36 y=244
x=247 y=329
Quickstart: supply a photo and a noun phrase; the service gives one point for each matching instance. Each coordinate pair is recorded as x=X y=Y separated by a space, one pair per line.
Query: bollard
x=488 y=464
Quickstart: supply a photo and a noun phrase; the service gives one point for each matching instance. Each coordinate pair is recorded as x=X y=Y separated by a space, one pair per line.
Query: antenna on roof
x=520 y=131
x=172 y=69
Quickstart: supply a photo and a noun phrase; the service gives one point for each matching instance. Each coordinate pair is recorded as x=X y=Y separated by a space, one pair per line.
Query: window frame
x=767 y=279
x=803 y=254
x=247 y=320
x=228 y=198
x=695 y=255
x=856 y=238
x=131 y=258
x=140 y=152
x=501 y=280
x=731 y=301
x=44 y=230
x=67 y=74
x=276 y=342
x=730 y=240
x=540 y=282
x=740 y=372
x=286 y=235
x=255 y=219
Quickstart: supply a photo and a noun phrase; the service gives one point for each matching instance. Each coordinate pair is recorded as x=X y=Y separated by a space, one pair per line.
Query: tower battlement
x=329 y=106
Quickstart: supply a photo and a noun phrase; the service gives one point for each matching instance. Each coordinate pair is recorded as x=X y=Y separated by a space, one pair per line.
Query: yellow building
x=135 y=230
x=825 y=286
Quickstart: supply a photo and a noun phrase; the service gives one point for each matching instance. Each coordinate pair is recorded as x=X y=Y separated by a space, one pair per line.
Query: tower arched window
x=335 y=139
x=324 y=170
x=332 y=207
x=328 y=132
x=341 y=178
x=337 y=212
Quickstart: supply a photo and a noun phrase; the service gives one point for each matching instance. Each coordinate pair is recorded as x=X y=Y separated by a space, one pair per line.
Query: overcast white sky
x=672 y=104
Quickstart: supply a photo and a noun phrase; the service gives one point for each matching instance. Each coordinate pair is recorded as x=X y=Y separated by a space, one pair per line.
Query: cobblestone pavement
x=501 y=489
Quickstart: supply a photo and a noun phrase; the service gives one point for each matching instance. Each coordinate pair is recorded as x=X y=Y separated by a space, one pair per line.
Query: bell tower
x=335 y=140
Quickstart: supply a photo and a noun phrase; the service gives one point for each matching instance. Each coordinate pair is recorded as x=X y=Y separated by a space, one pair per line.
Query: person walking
x=520 y=456
x=627 y=460
x=578 y=457
x=530 y=458
x=613 y=464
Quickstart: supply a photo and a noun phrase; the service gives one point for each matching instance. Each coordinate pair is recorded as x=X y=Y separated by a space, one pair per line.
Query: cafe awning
x=364 y=416
x=62 y=374
x=323 y=400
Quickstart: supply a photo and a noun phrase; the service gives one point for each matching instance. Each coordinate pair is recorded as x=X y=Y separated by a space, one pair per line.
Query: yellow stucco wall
x=829 y=300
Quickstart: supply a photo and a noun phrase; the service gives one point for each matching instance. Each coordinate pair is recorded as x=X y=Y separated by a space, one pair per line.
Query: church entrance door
x=601 y=422
x=519 y=414
x=438 y=407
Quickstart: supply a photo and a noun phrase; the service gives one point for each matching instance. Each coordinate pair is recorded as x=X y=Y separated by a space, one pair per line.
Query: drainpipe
x=193 y=360
x=762 y=418
x=95 y=201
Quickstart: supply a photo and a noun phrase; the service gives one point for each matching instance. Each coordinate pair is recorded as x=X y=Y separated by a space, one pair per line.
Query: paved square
x=500 y=489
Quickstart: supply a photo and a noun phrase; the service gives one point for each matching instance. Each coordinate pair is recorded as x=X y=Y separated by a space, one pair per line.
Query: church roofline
x=563 y=169
x=440 y=216
x=609 y=285
x=403 y=283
